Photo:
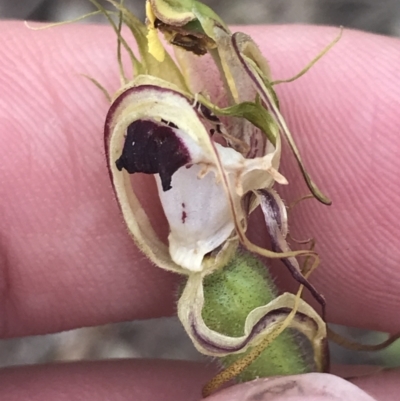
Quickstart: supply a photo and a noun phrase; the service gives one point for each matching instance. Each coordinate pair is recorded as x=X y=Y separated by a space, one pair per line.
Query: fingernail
x=307 y=387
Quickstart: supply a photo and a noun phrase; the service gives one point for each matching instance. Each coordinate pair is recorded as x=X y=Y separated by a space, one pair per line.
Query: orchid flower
x=213 y=163
x=215 y=160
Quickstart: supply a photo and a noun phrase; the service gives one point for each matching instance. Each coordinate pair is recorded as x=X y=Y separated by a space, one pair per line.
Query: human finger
x=121 y=380
x=67 y=258
x=307 y=387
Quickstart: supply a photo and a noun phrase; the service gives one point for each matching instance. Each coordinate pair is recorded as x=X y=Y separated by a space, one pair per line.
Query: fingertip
x=308 y=387
x=145 y=380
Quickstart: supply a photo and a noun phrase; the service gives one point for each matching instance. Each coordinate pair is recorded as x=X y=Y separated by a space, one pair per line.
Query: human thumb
x=307 y=387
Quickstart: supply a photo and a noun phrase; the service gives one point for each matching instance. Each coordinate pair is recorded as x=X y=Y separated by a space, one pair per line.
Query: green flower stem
x=234 y=291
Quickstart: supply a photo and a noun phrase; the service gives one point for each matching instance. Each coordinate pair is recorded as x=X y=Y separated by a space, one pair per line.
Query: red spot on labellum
x=184 y=215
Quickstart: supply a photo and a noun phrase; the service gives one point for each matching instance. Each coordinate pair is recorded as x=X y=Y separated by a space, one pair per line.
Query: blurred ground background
x=382 y=16
x=164 y=338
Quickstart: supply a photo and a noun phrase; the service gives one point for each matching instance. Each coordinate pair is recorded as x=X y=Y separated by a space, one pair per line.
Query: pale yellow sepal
x=156 y=49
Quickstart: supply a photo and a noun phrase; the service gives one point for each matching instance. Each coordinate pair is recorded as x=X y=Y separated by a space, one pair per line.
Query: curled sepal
x=134 y=115
x=275 y=216
x=260 y=323
x=154 y=128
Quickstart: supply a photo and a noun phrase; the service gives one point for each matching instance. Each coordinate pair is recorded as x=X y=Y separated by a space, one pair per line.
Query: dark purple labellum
x=190 y=43
x=185 y=37
x=152 y=148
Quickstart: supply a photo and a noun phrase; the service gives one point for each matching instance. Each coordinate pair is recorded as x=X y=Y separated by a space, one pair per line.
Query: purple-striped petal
x=275 y=219
x=260 y=323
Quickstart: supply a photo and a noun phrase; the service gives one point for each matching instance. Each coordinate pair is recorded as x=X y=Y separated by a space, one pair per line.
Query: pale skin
x=67 y=261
